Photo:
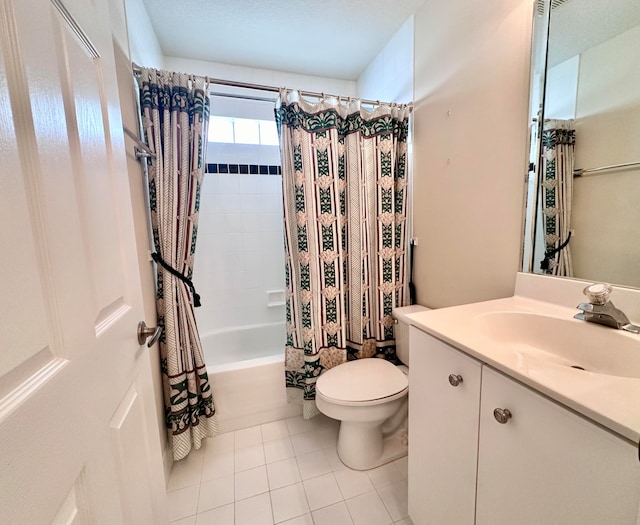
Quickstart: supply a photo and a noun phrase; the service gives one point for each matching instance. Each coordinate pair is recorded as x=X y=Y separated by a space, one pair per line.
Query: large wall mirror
x=583 y=204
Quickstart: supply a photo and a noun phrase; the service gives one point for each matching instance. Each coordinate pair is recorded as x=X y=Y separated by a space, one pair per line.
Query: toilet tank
x=402 y=329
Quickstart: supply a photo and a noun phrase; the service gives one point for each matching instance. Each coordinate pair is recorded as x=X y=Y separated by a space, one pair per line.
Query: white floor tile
x=322 y=491
x=220 y=443
x=323 y=422
x=274 y=430
x=368 y=509
x=186 y=472
x=254 y=511
x=248 y=437
x=191 y=520
x=283 y=473
x=300 y=520
x=216 y=493
x=217 y=464
x=251 y=483
x=289 y=502
x=182 y=503
x=385 y=474
x=219 y=516
x=394 y=497
x=353 y=482
x=298 y=425
x=197 y=453
x=278 y=449
x=328 y=437
x=305 y=442
x=333 y=459
x=313 y=465
x=402 y=465
x=336 y=514
x=250 y=457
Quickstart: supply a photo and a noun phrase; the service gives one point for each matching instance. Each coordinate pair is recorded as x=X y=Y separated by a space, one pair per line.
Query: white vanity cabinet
x=544 y=464
x=547 y=464
x=443 y=432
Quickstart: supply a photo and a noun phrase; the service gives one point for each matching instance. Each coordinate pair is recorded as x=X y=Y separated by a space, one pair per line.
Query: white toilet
x=369 y=398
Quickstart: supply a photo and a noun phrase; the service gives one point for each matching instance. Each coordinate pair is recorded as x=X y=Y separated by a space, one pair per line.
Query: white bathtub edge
x=243 y=365
x=250 y=393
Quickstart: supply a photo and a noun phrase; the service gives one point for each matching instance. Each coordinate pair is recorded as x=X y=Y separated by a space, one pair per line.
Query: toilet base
x=362 y=446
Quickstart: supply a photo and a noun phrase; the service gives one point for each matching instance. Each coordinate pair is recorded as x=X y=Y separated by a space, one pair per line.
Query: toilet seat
x=370 y=381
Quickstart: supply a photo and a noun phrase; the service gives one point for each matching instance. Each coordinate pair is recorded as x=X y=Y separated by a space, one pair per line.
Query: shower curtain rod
x=233 y=83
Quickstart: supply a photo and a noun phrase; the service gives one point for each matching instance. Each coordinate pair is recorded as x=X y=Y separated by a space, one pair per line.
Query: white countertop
x=610 y=400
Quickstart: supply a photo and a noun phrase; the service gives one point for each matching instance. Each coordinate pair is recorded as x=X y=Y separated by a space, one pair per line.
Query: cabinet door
x=443 y=432
x=547 y=465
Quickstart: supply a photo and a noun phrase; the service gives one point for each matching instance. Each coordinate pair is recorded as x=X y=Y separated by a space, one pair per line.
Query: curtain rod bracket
x=143 y=154
x=141 y=150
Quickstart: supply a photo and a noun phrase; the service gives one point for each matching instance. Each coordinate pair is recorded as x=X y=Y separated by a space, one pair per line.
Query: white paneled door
x=77 y=441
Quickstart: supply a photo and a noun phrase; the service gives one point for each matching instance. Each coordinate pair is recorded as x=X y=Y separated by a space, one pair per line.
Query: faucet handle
x=585 y=307
x=598 y=293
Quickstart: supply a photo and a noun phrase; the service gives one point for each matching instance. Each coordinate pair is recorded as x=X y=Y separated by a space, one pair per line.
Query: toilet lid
x=362 y=380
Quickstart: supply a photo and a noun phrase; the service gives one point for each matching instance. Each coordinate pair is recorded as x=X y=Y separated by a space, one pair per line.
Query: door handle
x=145 y=332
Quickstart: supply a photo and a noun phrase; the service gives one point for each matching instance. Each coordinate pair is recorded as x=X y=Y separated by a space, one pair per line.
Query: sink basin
x=585 y=347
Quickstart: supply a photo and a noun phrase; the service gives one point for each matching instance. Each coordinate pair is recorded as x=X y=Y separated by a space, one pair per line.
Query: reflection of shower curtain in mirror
x=558 y=143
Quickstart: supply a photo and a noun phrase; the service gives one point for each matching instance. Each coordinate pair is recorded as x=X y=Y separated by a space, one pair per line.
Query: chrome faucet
x=601 y=310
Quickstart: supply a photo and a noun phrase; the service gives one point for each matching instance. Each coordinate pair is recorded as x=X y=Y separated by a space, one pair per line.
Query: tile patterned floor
x=285 y=472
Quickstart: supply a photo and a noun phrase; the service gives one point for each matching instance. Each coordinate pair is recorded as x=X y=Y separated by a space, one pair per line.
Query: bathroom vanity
x=520 y=414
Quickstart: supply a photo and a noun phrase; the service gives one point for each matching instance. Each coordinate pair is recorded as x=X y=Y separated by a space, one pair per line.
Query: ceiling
x=328 y=38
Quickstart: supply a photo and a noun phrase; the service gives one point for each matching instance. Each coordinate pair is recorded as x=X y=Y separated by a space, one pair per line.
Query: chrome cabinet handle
x=502 y=415
x=455 y=380
x=145 y=332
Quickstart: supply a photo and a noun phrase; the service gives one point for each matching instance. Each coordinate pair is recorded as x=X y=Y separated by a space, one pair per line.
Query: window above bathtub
x=235 y=130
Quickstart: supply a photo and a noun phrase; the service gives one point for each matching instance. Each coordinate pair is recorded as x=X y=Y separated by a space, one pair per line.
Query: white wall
x=389 y=76
x=470 y=147
x=143 y=43
x=260 y=76
x=135 y=41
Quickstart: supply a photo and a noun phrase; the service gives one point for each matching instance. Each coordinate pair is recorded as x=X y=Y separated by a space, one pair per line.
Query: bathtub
x=235 y=345
x=246 y=372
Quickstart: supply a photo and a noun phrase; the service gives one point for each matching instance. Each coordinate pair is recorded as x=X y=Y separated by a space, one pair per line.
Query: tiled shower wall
x=240 y=254
x=239 y=266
